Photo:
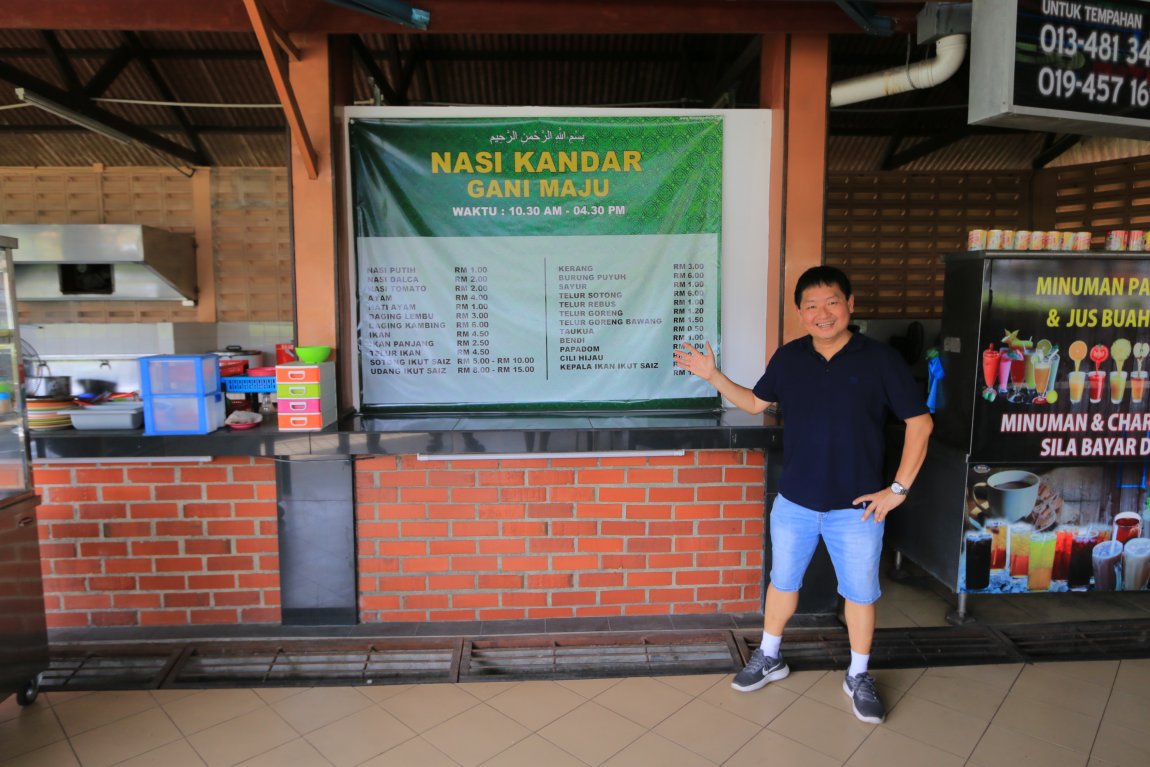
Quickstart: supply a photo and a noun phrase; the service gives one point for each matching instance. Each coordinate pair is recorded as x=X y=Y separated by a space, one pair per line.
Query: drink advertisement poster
x=1056 y=492
x=1063 y=360
x=541 y=263
x=1035 y=528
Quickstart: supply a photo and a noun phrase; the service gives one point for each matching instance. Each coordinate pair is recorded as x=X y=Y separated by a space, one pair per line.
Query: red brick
x=698 y=511
x=179 y=564
x=575 y=562
x=624 y=561
x=450 y=582
x=473 y=600
x=522 y=599
x=212 y=582
x=132 y=565
x=255 y=545
x=378 y=602
x=112 y=618
x=136 y=601
x=524 y=529
x=451 y=478
x=206 y=510
x=644 y=609
x=523 y=564
x=551 y=612
x=475 y=564
x=426 y=601
x=719 y=593
x=702 y=476
x=551 y=545
x=208 y=546
x=424 y=494
x=748 y=476
x=75 y=530
x=613 y=545
x=74 y=566
x=58 y=620
x=451 y=615
x=426 y=564
x=57 y=550
x=720 y=493
x=545 y=477
x=47 y=512
x=673 y=494
x=548 y=581
x=602 y=477
x=179 y=529
x=503 y=511
x=260 y=615
x=575 y=529
x=625 y=494
x=151 y=475
x=99 y=476
x=475 y=529
x=744 y=510
x=42 y=476
x=366 y=466
x=671 y=595
x=550 y=510
x=513 y=494
x=178 y=492
x=573 y=598
x=258 y=580
x=424 y=529
x=128 y=529
x=56 y=585
x=216 y=564
x=697 y=577
x=720 y=527
x=713 y=457
x=746 y=576
x=229 y=527
x=697 y=543
x=742 y=542
x=102 y=549
x=501 y=582
x=657 y=578
x=102 y=511
x=719 y=559
x=162 y=582
x=678 y=528
x=649 y=544
x=380 y=564
x=572 y=494
x=451 y=511
x=187 y=599
x=203 y=475
x=264 y=473
x=86 y=601
x=502 y=546
x=622 y=597
x=687 y=459
x=126 y=492
x=651 y=476
x=229 y=492
x=501 y=478
x=236 y=598
x=670 y=561
x=501 y=614
x=154 y=511
x=466 y=495
x=112 y=583
x=600 y=580
x=202 y=617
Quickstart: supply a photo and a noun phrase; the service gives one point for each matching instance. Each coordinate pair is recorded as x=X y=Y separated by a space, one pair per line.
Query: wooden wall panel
x=889 y=231
x=1098 y=198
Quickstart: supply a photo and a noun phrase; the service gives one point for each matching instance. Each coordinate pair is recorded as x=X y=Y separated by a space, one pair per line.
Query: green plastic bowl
x=312 y=354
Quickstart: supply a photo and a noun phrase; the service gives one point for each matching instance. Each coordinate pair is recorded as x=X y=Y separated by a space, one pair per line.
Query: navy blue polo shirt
x=834 y=416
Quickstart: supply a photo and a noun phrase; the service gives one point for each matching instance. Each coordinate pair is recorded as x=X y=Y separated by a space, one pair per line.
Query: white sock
x=770 y=645
x=859 y=663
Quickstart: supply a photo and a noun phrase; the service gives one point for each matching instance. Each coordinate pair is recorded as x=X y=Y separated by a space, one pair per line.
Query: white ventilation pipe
x=949 y=54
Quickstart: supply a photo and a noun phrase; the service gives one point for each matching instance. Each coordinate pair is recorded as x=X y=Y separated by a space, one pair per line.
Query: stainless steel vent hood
x=113 y=262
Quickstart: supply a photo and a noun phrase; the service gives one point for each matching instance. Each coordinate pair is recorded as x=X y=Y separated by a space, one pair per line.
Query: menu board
x=535 y=263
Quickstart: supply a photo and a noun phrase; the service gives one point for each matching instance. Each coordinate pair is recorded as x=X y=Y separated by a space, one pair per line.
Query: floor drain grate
x=316 y=662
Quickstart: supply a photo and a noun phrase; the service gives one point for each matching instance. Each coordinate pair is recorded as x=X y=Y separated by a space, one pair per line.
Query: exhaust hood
x=109 y=262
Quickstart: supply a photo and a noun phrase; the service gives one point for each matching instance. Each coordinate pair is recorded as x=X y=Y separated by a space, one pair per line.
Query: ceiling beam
x=367 y=60
x=60 y=58
x=88 y=109
x=929 y=146
x=737 y=70
x=1053 y=148
x=462 y=16
x=270 y=38
x=117 y=62
x=167 y=94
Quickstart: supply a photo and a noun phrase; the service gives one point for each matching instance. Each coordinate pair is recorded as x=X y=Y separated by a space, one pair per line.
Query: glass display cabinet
x=23 y=630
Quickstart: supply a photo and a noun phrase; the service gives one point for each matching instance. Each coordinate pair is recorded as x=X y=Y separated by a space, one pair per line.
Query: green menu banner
x=535 y=262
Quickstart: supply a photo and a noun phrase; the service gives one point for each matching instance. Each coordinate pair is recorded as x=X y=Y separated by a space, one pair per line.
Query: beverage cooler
x=1036 y=476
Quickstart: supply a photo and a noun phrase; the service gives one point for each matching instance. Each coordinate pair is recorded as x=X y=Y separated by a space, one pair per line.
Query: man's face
x=825 y=312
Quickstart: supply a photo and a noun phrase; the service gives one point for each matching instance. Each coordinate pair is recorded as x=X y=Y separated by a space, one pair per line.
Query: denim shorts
x=855 y=547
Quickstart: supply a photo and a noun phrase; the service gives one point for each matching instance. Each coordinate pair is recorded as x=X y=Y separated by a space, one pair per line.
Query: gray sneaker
x=867 y=706
x=759 y=671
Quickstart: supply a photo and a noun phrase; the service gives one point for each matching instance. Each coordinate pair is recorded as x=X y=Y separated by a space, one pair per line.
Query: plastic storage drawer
x=180 y=374
x=183 y=415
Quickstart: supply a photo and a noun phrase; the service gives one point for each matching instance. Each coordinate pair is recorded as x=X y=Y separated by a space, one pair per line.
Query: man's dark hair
x=822 y=275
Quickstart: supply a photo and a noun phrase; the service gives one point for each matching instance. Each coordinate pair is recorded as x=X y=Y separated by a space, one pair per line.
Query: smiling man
x=836 y=390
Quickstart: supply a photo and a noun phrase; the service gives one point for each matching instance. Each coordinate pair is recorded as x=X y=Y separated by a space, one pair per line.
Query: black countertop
x=446 y=435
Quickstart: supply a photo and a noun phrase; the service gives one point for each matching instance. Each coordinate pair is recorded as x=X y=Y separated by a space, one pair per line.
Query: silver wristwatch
x=899 y=489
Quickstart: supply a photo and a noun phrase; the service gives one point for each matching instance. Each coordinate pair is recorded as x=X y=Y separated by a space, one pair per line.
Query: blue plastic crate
x=166 y=374
x=183 y=413
x=265 y=384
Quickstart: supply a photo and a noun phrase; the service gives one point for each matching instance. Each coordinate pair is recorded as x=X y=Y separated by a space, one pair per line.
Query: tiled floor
x=1084 y=714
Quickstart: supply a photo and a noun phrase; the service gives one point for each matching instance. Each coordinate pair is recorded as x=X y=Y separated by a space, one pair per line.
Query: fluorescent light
x=530 y=456
x=71 y=115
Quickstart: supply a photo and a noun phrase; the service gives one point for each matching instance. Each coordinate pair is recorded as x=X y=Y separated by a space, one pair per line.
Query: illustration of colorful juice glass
x=1081 y=567
x=1077 y=386
x=990 y=366
x=1018 y=371
x=1063 y=543
x=998 y=532
x=1097 y=381
x=1138 y=386
x=1041 y=561
x=1117 y=386
x=1005 y=362
x=1019 y=550
x=1107 y=563
x=1028 y=367
x=1042 y=375
x=977 y=560
x=1136 y=564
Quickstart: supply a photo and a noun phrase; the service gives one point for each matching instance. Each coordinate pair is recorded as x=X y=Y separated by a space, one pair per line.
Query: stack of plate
x=47 y=413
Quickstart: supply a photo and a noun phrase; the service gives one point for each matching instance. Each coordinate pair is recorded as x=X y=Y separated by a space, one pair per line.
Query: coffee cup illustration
x=1007 y=494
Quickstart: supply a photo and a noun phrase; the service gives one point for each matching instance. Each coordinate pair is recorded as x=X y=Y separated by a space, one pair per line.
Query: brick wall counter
x=159 y=544
x=548 y=538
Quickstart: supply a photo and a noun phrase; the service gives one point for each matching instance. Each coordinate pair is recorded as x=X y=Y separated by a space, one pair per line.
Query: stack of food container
x=306 y=395
x=182 y=394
